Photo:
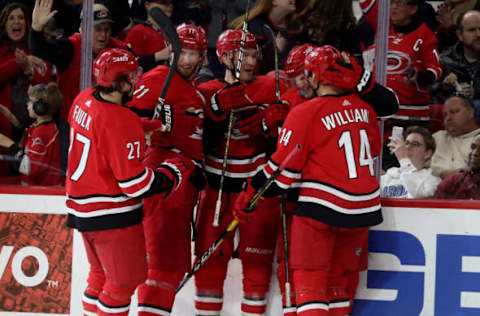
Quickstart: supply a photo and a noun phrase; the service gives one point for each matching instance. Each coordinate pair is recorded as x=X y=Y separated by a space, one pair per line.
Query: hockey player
x=294 y=68
x=256 y=120
x=106 y=182
x=413 y=61
x=347 y=74
x=339 y=193
x=169 y=219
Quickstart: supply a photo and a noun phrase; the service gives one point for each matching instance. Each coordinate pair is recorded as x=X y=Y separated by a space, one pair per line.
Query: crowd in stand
x=440 y=61
x=433 y=62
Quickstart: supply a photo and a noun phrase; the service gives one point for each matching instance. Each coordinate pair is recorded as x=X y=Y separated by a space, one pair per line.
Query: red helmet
x=111 y=64
x=192 y=37
x=321 y=58
x=229 y=42
x=296 y=59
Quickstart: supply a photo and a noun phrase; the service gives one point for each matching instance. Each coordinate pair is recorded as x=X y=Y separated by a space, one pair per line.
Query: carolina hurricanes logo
x=398 y=62
x=102 y=14
x=36 y=141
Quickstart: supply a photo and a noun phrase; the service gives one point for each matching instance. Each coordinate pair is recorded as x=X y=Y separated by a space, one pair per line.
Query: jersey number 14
x=364 y=157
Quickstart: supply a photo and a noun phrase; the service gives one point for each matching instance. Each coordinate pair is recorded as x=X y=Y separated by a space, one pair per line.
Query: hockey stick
x=271 y=35
x=218 y=203
x=283 y=209
x=53 y=170
x=250 y=208
x=166 y=25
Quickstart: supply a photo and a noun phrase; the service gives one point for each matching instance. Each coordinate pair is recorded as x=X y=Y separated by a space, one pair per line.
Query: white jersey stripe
x=233 y=174
x=404 y=117
x=232 y=161
x=100 y=199
x=112 y=310
x=206 y=313
x=312 y=306
x=354 y=211
x=145 y=188
x=88 y=300
x=259 y=302
x=135 y=181
x=208 y=299
x=340 y=194
x=153 y=310
x=414 y=107
x=102 y=212
x=339 y=304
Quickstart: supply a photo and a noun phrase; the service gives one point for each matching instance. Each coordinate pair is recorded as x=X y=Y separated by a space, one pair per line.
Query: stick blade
x=167 y=27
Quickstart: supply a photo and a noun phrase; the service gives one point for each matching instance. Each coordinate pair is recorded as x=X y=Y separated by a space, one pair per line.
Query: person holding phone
x=414 y=178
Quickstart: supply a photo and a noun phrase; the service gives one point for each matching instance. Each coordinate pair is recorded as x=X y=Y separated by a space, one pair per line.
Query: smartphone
x=397 y=131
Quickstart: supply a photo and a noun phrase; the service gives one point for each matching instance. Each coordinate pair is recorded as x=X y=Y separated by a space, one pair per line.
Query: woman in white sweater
x=414 y=178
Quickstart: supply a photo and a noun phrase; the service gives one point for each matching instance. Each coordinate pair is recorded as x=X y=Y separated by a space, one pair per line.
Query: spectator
x=448 y=13
x=279 y=16
x=65 y=54
x=463 y=185
x=222 y=13
x=147 y=39
x=451 y=155
x=332 y=23
x=19 y=69
x=425 y=11
x=461 y=62
x=414 y=178
x=39 y=150
x=413 y=62
x=195 y=12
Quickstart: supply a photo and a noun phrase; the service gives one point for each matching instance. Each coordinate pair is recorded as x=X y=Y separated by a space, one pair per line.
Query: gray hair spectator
x=414 y=178
x=464 y=185
x=453 y=143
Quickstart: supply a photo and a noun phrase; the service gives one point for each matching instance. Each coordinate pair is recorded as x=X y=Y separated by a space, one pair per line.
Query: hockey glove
x=228 y=98
x=251 y=125
x=176 y=171
x=240 y=210
x=174 y=121
x=349 y=75
x=275 y=114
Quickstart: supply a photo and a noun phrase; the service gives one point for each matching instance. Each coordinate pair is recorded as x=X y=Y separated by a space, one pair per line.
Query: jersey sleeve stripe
x=144 y=188
x=135 y=180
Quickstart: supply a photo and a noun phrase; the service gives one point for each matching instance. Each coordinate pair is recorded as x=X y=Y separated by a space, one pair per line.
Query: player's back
x=344 y=139
x=104 y=170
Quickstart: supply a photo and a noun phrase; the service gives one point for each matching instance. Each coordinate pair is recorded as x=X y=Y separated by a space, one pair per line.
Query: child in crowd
x=37 y=155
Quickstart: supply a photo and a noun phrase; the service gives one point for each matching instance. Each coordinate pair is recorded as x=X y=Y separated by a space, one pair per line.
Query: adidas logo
x=346 y=103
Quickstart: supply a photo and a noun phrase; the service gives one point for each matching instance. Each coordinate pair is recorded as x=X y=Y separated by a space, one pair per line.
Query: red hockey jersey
x=415 y=49
x=247 y=154
x=41 y=163
x=334 y=170
x=294 y=97
x=182 y=94
x=105 y=176
x=146 y=40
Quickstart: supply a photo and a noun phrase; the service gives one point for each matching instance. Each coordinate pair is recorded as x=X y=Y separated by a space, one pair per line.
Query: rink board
x=424 y=260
